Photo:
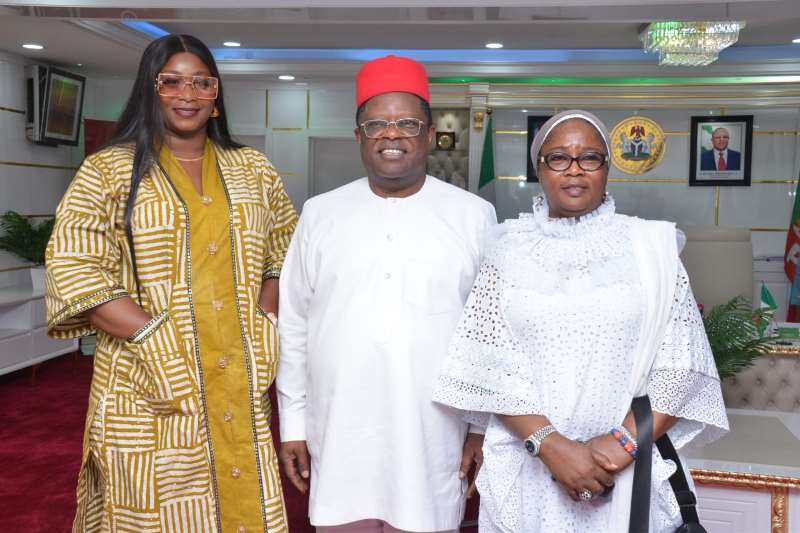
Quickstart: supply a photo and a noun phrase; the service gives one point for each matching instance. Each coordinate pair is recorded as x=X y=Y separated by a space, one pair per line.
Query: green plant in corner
x=23 y=238
x=735 y=333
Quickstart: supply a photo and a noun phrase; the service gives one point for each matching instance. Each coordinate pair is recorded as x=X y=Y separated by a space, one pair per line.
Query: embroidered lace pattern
x=549 y=329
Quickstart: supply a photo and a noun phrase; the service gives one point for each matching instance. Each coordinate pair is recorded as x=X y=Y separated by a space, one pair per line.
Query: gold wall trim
x=308 y=109
x=782 y=230
x=36 y=165
x=12 y=269
x=288 y=174
x=633 y=105
x=511 y=178
x=287 y=129
x=644 y=96
x=784 y=350
x=671 y=181
x=788 y=133
x=780 y=511
x=717 y=192
x=746 y=481
x=266 y=108
x=12 y=110
x=778 y=487
x=666 y=181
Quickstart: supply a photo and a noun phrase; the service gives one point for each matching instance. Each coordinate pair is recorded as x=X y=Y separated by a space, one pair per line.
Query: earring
x=214 y=113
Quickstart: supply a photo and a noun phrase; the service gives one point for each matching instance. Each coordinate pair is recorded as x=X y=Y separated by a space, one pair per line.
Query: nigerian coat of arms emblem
x=637 y=145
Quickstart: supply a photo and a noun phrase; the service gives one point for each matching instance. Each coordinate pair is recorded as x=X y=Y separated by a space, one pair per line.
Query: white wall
x=282 y=119
x=663 y=193
x=25 y=187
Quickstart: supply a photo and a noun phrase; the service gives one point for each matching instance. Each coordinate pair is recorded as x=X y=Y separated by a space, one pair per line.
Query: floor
x=41 y=431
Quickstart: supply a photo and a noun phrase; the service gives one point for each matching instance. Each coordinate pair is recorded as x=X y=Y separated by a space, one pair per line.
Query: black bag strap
x=642 y=468
x=680 y=486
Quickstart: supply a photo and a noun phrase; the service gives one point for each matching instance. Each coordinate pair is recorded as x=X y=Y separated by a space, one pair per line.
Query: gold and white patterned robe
x=148 y=461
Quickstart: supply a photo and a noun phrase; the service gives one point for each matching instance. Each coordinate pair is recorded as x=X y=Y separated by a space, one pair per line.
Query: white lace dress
x=549 y=329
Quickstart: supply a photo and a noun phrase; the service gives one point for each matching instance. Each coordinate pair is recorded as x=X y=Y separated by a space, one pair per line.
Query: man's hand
x=296 y=463
x=472 y=454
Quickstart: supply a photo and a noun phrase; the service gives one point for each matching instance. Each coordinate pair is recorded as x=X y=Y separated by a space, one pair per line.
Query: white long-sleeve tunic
x=550 y=328
x=370 y=294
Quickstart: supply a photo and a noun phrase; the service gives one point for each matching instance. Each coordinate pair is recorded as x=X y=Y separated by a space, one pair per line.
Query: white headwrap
x=555 y=120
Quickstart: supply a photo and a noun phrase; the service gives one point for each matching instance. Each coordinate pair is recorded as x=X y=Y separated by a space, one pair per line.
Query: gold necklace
x=183 y=160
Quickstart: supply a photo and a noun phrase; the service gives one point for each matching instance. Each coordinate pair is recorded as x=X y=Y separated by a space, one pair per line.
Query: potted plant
x=27 y=241
x=736 y=333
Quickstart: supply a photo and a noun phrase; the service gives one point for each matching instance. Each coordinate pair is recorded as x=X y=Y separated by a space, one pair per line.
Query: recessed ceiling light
x=796 y=41
x=286 y=77
x=232 y=44
x=33 y=46
x=494 y=46
x=78 y=64
x=524 y=110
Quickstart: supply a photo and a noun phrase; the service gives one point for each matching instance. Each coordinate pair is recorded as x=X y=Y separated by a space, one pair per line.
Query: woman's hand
x=268 y=297
x=119 y=318
x=608 y=446
x=576 y=466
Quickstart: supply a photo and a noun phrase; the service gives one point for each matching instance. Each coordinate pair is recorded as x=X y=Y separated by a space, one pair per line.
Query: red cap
x=391 y=74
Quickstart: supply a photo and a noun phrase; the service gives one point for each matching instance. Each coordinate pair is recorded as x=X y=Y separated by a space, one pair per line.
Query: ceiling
x=94 y=34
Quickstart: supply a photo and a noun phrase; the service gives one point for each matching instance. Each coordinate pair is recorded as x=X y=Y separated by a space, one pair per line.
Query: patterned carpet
x=41 y=431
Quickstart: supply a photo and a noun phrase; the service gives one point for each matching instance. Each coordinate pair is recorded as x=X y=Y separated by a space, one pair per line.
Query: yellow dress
x=177 y=432
x=223 y=363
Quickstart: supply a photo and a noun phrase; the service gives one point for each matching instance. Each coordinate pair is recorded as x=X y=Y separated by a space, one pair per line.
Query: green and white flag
x=705 y=136
x=767 y=301
x=487 y=160
x=768 y=306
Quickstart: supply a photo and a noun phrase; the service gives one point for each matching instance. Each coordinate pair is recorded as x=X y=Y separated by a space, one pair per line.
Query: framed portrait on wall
x=534 y=123
x=721 y=150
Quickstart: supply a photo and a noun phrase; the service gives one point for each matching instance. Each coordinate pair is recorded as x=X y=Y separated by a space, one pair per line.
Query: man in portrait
x=720 y=157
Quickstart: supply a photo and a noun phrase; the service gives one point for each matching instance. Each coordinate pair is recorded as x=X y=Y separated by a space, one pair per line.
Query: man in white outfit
x=371 y=290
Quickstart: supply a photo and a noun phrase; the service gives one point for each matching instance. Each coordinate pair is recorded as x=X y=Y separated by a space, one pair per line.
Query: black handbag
x=640 y=499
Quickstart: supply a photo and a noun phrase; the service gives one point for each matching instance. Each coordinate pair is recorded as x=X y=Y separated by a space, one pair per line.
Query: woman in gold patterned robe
x=168 y=244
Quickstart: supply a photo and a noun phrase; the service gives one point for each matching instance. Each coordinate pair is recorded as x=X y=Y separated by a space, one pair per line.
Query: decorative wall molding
x=36 y=165
x=743 y=480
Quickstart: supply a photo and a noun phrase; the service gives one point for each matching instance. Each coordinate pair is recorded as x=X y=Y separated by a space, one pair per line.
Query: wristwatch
x=534 y=442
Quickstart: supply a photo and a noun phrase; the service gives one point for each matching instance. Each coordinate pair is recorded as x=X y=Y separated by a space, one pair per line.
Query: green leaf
x=24 y=239
x=735 y=333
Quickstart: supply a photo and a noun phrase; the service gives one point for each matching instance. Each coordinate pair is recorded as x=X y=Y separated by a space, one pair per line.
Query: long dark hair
x=142 y=125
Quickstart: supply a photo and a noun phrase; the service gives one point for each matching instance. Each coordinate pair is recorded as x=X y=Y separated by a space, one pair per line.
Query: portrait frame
x=735 y=134
x=64 y=107
x=535 y=122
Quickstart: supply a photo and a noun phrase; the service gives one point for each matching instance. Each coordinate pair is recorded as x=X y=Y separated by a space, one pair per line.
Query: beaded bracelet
x=626 y=440
x=143 y=333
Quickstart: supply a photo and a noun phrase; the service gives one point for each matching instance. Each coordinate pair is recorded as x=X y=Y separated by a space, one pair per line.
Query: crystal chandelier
x=691 y=44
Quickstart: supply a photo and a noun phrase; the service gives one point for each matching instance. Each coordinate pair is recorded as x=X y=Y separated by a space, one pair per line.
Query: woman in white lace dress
x=576 y=310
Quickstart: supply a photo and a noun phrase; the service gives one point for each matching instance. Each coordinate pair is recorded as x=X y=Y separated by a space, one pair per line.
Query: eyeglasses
x=559 y=161
x=203 y=87
x=405 y=127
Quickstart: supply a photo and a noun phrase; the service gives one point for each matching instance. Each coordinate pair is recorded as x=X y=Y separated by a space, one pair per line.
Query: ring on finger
x=585 y=495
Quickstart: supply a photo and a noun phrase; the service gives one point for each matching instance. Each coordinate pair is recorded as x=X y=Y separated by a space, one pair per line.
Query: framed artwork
x=534 y=123
x=64 y=103
x=720 y=150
